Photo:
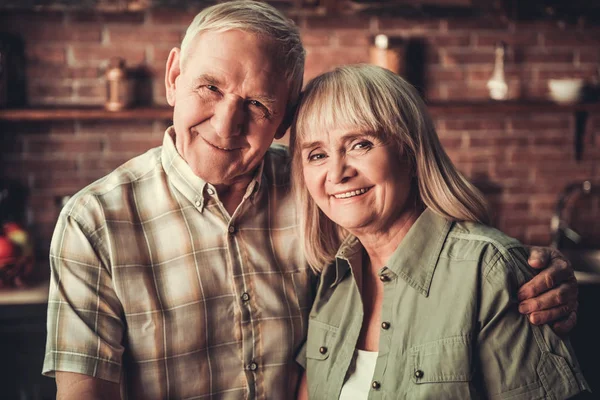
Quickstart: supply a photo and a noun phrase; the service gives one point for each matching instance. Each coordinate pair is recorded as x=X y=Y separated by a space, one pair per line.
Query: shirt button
x=384 y=278
x=198 y=203
x=245 y=296
x=385 y=325
x=210 y=191
x=323 y=350
x=376 y=385
x=253 y=366
x=231 y=229
x=419 y=374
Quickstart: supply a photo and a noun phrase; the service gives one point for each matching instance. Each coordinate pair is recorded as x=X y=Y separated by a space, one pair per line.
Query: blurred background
x=513 y=87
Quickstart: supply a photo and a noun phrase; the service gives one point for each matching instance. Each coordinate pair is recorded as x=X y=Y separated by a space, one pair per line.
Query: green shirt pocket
x=444 y=360
x=319 y=345
x=441 y=369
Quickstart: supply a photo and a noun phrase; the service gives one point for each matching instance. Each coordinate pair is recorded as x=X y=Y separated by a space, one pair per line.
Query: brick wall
x=522 y=161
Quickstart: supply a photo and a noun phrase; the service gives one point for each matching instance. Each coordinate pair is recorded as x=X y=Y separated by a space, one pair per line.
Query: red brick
x=38 y=90
x=42 y=164
x=538 y=238
x=506 y=172
x=70 y=146
x=442 y=74
x=353 y=38
x=45 y=72
x=47 y=54
x=450 y=40
x=136 y=146
x=538 y=123
x=132 y=19
x=471 y=24
x=316 y=37
x=396 y=23
x=124 y=34
x=61 y=33
x=462 y=57
x=538 y=155
x=569 y=38
x=133 y=55
x=451 y=143
x=338 y=22
x=548 y=56
x=467 y=92
x=95 y=90
x=115 y=128
x=319 y=61
x=93 y=162
x=553 y=140
x=523 y=39
x=589 y=55
x=169 y=16
x=546 y=72
x=467 y=123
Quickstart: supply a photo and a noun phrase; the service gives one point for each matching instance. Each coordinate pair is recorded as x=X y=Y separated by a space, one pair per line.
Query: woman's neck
x=381 y=245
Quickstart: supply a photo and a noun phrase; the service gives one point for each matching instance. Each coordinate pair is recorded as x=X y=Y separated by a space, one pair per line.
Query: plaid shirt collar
x=187 y=182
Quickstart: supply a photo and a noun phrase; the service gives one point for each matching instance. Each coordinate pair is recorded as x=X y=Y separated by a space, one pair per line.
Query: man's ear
x=172 y=72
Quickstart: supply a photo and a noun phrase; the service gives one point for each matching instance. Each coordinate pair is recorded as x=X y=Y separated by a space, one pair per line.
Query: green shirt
x=450 y=322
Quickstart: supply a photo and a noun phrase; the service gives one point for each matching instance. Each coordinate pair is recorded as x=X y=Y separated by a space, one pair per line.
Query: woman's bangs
x=332 y=106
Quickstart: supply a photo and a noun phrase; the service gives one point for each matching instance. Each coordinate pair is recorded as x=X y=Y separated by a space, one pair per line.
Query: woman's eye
x=316 y=156
x=363 y=145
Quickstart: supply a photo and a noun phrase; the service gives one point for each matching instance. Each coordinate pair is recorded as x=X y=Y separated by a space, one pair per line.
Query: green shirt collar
x=414 y=260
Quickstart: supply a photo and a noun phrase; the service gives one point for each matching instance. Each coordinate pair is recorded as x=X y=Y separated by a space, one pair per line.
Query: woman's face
x=360 y=182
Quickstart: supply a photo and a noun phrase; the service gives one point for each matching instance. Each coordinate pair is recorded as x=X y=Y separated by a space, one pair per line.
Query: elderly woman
x=416 y=298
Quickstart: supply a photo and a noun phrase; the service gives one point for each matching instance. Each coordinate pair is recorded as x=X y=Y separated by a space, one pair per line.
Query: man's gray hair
x=261 y=19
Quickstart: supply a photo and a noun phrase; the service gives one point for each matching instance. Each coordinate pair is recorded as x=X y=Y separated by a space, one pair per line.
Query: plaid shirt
x=156 y=286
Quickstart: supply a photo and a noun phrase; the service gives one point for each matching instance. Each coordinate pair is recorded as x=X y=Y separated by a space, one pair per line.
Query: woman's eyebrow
x=310 y=145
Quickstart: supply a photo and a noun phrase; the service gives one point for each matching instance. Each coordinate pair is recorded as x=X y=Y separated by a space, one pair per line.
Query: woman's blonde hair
x=377 y=101
x=260 y=19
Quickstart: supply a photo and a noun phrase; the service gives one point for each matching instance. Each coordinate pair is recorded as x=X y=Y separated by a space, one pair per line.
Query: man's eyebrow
x=208 y=79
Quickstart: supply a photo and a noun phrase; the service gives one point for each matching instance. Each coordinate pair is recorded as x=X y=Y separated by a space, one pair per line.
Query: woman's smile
x=352 y=193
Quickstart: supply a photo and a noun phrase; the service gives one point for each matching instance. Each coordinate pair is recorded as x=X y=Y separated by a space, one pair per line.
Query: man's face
x=230 y=99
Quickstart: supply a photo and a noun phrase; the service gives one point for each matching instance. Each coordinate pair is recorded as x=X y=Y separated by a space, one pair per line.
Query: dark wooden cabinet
x=22 y=345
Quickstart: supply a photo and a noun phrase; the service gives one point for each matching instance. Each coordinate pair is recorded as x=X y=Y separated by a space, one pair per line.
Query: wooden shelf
x=166 y=113
x=82 y=113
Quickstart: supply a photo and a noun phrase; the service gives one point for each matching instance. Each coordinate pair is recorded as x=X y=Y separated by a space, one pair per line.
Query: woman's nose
x=339 y=170
x=228 y=118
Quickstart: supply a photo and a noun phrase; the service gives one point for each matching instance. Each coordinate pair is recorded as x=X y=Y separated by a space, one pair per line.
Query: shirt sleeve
x=84 y=328
x=519 y=360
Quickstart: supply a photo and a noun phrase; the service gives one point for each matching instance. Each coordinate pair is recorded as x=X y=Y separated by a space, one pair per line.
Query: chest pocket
x=442 y=369
x=319 y=345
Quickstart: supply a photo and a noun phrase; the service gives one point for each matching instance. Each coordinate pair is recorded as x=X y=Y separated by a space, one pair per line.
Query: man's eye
x=212 y=88
x=256 y=103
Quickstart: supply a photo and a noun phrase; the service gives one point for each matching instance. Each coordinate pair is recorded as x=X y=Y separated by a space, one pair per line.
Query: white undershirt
x=358 y=385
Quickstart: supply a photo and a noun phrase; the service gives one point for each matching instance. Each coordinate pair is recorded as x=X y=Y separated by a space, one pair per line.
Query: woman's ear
x=173 y=70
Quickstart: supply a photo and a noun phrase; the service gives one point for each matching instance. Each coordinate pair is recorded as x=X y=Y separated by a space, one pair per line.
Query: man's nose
x=340 y=171
x=228 y=118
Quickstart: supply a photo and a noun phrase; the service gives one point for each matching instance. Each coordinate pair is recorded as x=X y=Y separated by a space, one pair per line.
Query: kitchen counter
x=36 y=294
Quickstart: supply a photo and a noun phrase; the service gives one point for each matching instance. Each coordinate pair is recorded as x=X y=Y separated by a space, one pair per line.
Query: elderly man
x=180 y=274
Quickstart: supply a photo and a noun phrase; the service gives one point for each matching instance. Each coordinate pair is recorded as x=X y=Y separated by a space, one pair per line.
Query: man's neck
x=232 y=195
